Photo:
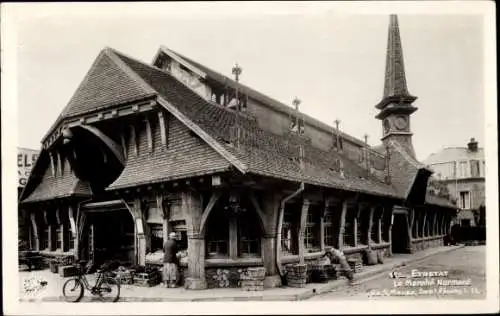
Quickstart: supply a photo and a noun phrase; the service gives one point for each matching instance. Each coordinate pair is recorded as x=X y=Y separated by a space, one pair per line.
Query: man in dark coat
x=170 y=261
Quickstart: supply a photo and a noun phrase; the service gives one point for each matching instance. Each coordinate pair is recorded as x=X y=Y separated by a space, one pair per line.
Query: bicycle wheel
x=110 y=290
x=73 y=290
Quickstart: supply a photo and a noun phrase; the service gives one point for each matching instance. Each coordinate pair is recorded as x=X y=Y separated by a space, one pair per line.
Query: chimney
x=472 y=145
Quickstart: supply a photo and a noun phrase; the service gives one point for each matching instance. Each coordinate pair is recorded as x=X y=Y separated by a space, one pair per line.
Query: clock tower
x=396 y=105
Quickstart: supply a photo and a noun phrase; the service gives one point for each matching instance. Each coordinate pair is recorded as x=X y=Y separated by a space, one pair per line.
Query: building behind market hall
x=144 y=149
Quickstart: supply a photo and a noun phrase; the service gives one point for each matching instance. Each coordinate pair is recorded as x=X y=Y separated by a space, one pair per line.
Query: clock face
x=401 y=122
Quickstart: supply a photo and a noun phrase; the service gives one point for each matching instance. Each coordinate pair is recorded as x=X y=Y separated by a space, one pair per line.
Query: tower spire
x=395 y=88
x=396 y=104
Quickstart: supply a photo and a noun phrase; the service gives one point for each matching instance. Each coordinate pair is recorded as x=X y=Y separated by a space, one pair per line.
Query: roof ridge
x=282 y=106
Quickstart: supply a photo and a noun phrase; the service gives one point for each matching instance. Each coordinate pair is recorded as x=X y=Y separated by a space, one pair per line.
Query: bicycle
x=103 y=285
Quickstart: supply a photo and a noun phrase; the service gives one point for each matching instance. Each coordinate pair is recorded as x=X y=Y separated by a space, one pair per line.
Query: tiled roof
x=276 y=105
x=58 y=187
x=105 y=85
x=185 y=157
x=260 y=151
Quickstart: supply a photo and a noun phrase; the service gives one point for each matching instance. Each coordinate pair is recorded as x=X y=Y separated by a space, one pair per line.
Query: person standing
x=170 y=261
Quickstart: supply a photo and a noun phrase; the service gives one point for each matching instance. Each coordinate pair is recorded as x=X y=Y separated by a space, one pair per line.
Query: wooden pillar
x=192 y=205
x=390 y=208
x=302 y=229
x=379 y=226
x=322 y=231
x=424 y=218
x=342 y=225
x=434 y=221
x=52 y=237
x=233 y=237
x=140 y=233
x=370 y=224
x=36 y=234
x=270 y=210
x=124 y=144
x=356 y=224
x=73 y=231
x=165 y=212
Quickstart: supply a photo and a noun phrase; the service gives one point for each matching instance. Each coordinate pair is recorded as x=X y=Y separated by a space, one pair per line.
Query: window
x=248 y=234
x=329 y=235
x=156 y=237
x=349 y=227
x=218 y=234
x=464 y=200
x=312 y=229
x=474 y=168
x=44 y=244
x=463 y=169
x=288 y=232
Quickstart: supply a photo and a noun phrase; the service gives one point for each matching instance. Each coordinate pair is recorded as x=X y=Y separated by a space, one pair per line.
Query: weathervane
x=296 y=102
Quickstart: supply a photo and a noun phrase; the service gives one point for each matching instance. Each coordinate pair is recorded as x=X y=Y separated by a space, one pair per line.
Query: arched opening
x=92 y=159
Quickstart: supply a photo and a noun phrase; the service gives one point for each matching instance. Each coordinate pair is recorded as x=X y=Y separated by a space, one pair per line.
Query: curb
x=304 y=295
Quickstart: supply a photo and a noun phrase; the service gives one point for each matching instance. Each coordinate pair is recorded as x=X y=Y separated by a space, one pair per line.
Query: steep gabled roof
x=272 y=103
x=105 y=84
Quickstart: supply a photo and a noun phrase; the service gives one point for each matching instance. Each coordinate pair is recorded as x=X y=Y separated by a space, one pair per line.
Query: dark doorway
x=400 y=242
x=110 y=236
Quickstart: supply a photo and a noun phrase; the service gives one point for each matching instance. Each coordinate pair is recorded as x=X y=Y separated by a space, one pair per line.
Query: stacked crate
x=124 y=276
x=296 y=275
x=355 y=264
x=319 y=273
x=253 y=279
x=147 y=279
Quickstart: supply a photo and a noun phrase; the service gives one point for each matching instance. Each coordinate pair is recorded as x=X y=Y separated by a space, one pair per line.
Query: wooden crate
x=252 y=285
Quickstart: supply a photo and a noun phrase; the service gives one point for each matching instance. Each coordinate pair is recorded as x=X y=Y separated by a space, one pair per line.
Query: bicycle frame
x=100 y=278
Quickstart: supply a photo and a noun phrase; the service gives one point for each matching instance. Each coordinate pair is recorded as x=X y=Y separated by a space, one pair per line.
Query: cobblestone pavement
x=467 y=264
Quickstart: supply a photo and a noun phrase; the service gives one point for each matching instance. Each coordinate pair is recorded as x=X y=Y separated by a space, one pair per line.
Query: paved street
x=465 y=264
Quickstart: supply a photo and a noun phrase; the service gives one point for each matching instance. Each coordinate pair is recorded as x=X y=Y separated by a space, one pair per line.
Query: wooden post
x=36 y=235
x=302 y=229
x=233 y=237
x=163 y=129
x=73 y=230
x=342 y=225
x=434 y=221
x=411 y=215
x=149 y=135
x=193 y=207
x=133 y=139
x=322 y=232
x=424 y=223
x=370 y=224
x=270 y=210
x=165 y=212
x=389 y=232
x=124 y=145
x=356 y=217
x=140 y=233
x=52 y=164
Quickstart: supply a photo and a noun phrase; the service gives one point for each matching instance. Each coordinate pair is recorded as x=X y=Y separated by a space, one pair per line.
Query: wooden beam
x=133 y=139
x=206 y=212
x=322 y=231
x=411 y=215
x=302 y=229
x=149 y=135
x=424 y=223
x=124 y=144
x=260 y=213
x=370 y=226
x=52 y=164
x=36 y=235
x=434 y=221
x=163 y=129
x=342 y=224
x=59 y=163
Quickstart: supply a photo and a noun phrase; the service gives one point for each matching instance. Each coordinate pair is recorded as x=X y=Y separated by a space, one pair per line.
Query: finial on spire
x=296 y=102
x=236 y=71
x=337 y=122
x=366 y=138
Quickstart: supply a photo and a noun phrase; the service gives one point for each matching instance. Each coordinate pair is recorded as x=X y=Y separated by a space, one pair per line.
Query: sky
x=332 y=60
